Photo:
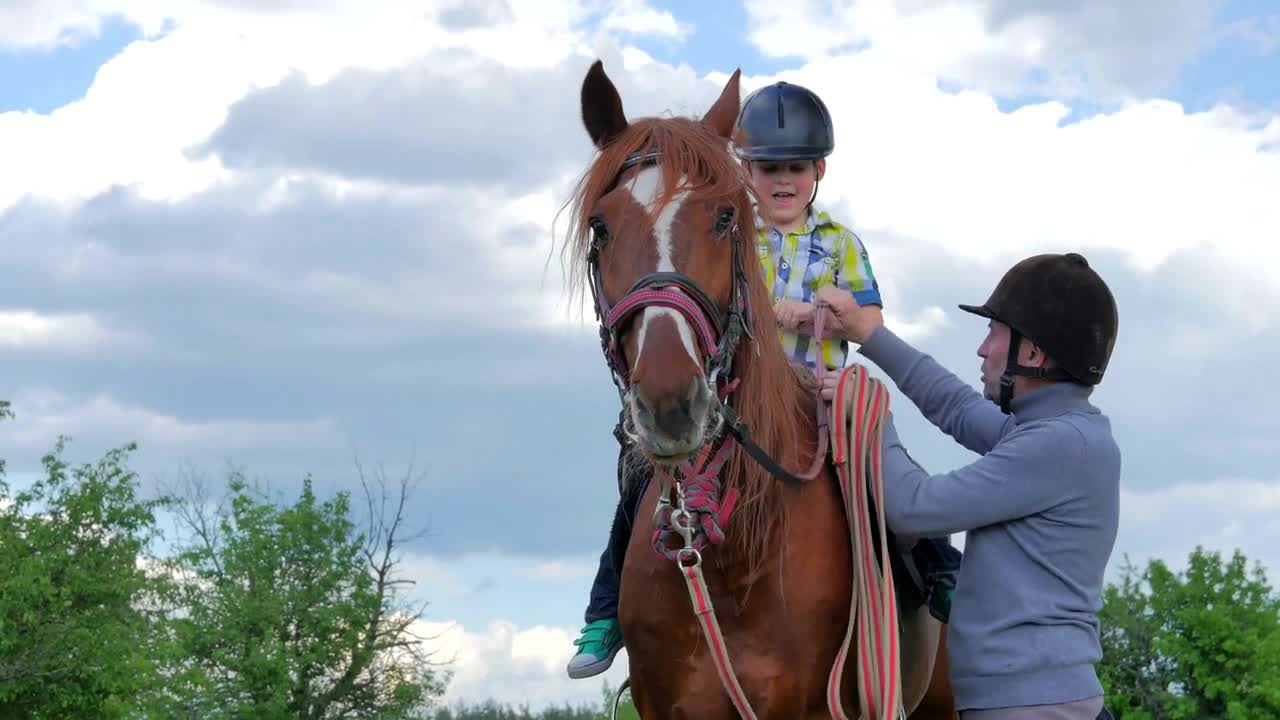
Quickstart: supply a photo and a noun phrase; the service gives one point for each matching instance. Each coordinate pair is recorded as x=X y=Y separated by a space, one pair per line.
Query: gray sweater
x=1041 y=509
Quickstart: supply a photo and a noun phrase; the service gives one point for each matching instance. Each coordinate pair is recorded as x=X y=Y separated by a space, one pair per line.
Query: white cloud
x=925 y=324
x=103 y=419
x=1222 y=514
x=990 y=186
x=150 y=104
x=51 y=23
x=638 y=17
x=564 y=569
x=516 y=665
x=30 y=331
x=1095 y=48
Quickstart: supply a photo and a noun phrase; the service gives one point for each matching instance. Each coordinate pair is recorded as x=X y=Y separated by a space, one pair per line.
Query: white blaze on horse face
x=646 y=188
x=682 y=327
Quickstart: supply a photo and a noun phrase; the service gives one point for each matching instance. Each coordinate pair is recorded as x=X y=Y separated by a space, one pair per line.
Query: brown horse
x=663 y=234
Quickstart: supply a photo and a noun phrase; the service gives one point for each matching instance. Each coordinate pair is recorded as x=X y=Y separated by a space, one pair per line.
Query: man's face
x=994 y=352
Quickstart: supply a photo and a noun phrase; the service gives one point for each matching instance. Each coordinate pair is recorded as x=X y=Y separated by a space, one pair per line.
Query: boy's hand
x=829 y=382
x=793 y=315
x=846 y=318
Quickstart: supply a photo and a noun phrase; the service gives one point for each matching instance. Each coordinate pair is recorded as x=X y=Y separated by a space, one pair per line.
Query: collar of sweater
x=1049 y=400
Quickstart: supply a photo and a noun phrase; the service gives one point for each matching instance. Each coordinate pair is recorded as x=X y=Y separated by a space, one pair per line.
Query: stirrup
x=617 y=698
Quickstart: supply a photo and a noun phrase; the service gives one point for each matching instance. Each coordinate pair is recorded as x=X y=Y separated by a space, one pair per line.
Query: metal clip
x=663 y=503
x=681 y=519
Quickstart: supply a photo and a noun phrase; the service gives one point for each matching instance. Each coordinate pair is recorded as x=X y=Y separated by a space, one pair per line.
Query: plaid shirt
x=822 y=252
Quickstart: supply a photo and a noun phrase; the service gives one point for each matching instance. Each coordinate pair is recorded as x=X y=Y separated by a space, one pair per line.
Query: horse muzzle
x=673 y=426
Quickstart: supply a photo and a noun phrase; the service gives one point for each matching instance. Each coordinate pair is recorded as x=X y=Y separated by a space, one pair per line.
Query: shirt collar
x=1049 y=400
x=817 y=217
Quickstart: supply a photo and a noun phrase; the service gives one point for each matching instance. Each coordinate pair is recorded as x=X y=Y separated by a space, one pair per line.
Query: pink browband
x=669 y=297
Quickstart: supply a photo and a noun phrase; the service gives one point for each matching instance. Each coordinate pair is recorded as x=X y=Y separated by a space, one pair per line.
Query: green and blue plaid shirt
x=822 y=252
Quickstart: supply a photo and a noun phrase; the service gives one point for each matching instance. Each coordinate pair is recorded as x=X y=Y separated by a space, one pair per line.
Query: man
x=1040 y=506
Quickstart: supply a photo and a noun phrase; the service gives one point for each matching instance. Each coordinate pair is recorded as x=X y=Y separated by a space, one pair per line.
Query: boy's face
x=784 y=189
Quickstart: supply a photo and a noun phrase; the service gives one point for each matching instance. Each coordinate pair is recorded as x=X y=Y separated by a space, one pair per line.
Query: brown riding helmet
x=1061 y=304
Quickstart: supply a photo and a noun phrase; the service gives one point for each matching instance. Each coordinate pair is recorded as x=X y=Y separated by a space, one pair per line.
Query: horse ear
x=601 y=106
x=724 y=113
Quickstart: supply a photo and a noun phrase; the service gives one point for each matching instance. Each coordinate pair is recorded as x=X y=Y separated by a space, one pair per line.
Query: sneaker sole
x=595 y=668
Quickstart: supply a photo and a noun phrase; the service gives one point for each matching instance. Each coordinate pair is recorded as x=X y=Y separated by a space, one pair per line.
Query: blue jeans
x=604 y=590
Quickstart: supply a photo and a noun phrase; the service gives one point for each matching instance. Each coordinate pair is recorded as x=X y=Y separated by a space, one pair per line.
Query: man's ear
x=1035 y=356
x=822 y=168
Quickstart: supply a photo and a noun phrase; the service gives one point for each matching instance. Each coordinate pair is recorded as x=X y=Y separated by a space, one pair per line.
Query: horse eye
x=598 y=226
x=724 y=220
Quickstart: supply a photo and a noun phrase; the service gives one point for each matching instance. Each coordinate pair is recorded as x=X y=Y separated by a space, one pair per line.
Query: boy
x=784 y=137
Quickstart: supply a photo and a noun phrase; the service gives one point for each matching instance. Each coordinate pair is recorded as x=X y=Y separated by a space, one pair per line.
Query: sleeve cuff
x=868 y=297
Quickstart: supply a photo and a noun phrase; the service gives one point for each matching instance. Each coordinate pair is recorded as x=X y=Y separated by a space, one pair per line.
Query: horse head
x=664 y=205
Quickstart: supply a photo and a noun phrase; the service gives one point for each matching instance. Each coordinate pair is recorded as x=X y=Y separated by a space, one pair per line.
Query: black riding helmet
x=1061 y=304
x=784 y=121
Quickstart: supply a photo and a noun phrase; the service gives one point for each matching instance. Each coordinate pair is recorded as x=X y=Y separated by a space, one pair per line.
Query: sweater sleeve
x=950 y=404
x=1021 y=476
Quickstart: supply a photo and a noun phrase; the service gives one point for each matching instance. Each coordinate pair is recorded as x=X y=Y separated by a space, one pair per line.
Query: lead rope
x=879 y=691
x=689 y=561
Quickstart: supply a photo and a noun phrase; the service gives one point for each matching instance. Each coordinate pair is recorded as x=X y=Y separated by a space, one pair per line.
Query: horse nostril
x=642 y=406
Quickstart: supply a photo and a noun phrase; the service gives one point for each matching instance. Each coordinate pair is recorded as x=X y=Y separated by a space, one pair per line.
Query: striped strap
x=874 y=620
x=702 y=607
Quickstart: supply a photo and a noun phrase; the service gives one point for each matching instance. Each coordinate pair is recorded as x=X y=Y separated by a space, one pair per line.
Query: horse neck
x=780 y=411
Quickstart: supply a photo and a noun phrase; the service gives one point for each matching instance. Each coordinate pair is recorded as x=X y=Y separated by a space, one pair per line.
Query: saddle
x=924 y=574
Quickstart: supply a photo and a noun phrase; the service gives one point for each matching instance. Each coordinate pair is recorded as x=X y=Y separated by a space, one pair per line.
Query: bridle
x=718 y=333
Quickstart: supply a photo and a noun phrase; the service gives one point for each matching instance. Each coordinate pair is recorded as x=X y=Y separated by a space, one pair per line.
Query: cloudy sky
x=286 y=236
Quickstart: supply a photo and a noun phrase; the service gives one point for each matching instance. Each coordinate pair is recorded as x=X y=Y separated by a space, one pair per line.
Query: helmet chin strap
x=1012 y=368
x=814 y=194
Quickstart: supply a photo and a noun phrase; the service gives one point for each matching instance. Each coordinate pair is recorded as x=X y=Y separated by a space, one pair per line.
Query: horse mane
x=772 y=395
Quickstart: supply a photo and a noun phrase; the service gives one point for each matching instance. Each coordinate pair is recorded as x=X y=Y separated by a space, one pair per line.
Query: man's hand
x=794 y=315
x=846 y=318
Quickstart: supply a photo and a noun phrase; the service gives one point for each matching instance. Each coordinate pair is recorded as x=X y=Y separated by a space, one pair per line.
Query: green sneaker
x=599 y=642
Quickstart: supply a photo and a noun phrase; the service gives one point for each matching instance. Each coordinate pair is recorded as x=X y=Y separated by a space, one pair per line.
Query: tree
x=1203 y=643
x=76 y=616
x=289 y=612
